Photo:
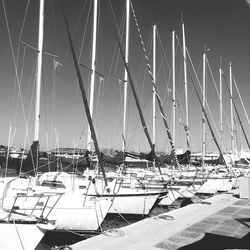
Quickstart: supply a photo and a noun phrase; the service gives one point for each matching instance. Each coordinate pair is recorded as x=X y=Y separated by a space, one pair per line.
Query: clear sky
x=223 y=26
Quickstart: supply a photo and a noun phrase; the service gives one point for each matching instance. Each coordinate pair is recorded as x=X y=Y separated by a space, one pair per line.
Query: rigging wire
x=168 y=88
x=114 y=66
x=21 y=76
x=157 y=95
x=224 y=112
x=18 y=50
x=77 y=25
x=84 y=34
x=111 y=12
x=15 y=66
x=238 y=116
x=164 y=55
x=198 y=81
x=186 y=128
x=149 y=45
x=211 y=131
x=241 y=100
x=85 y=28
x=56 y=66
x=145 y=96
x=99 y=108
x=162 y=61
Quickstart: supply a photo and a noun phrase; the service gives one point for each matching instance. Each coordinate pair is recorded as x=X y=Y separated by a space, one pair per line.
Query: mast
x=221 y=113
x=93 y=69
x=237 y=114
x=145 y=129
x=173 y=73
x=84 y=97
x=154 y=75
x=185 y=83
x=204 y=111
x=134 y=92
x=243 y=106
x=231 y=107
x=126 y=76
x=204 y=105
x=39 y=70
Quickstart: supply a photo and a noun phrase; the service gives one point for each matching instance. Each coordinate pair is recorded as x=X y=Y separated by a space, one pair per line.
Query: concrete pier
x=221 y=222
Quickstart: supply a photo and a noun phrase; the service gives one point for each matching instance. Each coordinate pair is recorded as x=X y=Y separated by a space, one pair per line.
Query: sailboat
x=75 y=210
x=22 y=231
x=78 y=192
x=220 y=178
x=125 y=200
x=18 y=225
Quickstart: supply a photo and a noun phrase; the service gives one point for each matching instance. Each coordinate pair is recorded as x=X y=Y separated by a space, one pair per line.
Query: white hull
x=19 y=232
x=126 y=200
x=19 y=236
x=133 y=204
x=212 y=186
x=71 y=210
x=173 y=194
x=74 y=213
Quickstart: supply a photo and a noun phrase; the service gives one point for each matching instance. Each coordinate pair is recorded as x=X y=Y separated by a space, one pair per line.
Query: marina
x=117 y=138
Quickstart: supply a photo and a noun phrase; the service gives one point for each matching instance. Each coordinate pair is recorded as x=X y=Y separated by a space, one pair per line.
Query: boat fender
x=46 y=225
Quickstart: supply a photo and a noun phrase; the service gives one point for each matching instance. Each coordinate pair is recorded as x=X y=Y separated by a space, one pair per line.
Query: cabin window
x=54 y=184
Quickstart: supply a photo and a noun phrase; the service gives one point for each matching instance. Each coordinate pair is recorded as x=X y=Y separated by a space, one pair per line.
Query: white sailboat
x=16 y=231
x=127 y=196
x=71 y=208
x=74 y=210
x=81 y=199
x=129 y=199
x=17 y=226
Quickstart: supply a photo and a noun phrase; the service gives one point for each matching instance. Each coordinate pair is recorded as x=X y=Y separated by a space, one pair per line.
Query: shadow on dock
x=213 y=241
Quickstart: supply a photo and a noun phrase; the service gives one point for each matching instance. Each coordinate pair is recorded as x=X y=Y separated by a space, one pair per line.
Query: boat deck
x=221 y=222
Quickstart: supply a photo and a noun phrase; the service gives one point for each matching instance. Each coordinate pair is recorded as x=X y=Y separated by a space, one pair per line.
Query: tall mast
x=39 y=71
x=93 y=69
x=204 y=112
x=237 y=114
x=173 y=73
x=84 y=97
x=133 y=87
x=231 y=106
x=221 y=114
x=204 y=105
x=185 y=83
x=126 y=76
x=154 y=76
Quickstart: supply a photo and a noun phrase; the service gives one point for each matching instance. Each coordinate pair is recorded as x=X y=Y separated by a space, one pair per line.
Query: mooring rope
x=18 y=235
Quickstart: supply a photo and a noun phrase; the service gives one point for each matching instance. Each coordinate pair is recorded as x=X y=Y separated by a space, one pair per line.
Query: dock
x=220 y=222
